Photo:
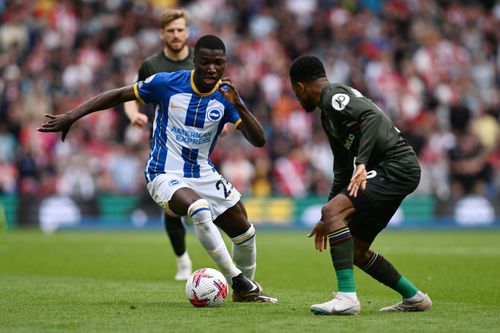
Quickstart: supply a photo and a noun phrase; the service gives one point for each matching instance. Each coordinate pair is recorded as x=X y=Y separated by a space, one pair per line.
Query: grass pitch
x=117 y=281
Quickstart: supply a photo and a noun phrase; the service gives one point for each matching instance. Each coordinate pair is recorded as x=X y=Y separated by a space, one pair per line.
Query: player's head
x=304 y=72
x=209 y=62
x=174 y=29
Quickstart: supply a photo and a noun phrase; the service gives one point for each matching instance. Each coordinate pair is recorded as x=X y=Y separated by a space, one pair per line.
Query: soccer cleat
x=337 y=306
x=410 y=306
x=184 y=269
x=246 y=290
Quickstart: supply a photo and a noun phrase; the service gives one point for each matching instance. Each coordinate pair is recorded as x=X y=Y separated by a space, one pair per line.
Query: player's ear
x=301 y=87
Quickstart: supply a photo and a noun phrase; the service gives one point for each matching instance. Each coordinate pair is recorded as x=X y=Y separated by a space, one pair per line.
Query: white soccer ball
x=206 y=287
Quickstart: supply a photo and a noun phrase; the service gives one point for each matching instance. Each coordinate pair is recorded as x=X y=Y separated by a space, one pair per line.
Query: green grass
x=122 y=282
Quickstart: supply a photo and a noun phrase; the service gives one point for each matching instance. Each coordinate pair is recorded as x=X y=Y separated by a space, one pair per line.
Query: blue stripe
x=196 y=111
x=212 y=165
x=163 y=147
x=216 y=136
x=246 y=240
x=158 y=154
x=198 y=210
x=191 y=167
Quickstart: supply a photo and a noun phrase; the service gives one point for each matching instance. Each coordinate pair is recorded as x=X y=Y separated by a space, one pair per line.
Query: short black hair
x=210 y=42
x=306 y=68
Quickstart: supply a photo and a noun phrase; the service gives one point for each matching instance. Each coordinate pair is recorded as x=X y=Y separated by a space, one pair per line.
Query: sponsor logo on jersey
x=214 y=114
x=191 y=137
x=340 y=101
x=348 y=141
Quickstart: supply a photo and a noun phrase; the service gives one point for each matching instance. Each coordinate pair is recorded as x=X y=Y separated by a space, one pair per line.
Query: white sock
x=245 y=252
x=210 y=238
x=347 y=295
x=183 y=259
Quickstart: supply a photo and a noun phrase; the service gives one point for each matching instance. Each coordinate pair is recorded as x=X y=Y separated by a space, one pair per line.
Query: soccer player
x=176 y=55
x=191 y=110
x=375 y=169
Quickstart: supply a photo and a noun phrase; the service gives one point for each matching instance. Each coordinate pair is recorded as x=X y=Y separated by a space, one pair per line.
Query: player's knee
x=332 y=217
x=361 y=256
x=199 y=212
x=246 y=238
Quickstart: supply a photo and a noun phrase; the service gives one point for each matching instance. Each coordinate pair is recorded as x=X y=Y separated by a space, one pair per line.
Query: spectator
x=418 y=60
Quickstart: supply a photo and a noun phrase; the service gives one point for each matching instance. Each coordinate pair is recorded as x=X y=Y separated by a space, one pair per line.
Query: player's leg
x=378 y=267
x=375 y=207
x=335 y=215
x=234 y=223
x=186 y=201
x=176 y=196
x=177 y=234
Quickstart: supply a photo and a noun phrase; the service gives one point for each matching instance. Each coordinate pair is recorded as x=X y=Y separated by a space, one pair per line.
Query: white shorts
x=220 y=194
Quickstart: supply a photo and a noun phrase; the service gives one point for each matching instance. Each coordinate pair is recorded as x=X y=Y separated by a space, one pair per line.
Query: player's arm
x=342 y=167
x=250 y=127
x=137 y=118
x=62 y=123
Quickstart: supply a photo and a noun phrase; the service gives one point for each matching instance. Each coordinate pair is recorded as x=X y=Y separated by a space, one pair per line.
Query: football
x=206 y=287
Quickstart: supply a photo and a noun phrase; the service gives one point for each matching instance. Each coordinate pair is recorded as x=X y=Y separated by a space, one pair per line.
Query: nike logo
x=255 y=287
x=175 y=106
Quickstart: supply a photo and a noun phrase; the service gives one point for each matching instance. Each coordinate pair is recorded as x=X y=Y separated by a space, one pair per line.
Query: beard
x=308 y=106
x=177 y=47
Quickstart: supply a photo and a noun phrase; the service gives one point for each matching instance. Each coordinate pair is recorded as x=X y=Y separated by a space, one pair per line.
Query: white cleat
x=337 y=306
x=410 y=306
x=184 y=269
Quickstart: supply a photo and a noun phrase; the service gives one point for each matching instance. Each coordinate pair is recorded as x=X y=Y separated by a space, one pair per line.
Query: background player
x=191 y=110
x=361 y=204
x=176 y=55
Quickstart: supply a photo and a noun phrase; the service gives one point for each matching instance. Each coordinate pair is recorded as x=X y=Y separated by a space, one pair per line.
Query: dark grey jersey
x=360 y=132
x=158 y=62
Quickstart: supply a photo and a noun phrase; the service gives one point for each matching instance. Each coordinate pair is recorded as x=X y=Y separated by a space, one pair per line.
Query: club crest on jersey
x=340 y=101
x=173 y=182
x=214 y=114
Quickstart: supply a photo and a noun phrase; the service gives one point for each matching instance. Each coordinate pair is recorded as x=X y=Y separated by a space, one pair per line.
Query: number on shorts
x=227 y=191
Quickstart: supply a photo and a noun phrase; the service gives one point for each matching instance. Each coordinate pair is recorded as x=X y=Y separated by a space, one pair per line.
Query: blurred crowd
x=432 y=66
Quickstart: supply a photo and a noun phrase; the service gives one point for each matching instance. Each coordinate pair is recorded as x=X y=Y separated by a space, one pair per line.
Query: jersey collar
x=196 y=89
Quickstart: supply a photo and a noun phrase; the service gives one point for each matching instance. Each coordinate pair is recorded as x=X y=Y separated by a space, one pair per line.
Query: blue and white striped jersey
x=186 y=126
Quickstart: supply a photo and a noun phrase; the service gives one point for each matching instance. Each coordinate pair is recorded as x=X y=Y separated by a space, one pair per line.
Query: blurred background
x=432 y=66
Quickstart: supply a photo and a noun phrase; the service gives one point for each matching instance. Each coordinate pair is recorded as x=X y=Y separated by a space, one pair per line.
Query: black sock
x=177 y=234
x=341 y=251
x=381 y=270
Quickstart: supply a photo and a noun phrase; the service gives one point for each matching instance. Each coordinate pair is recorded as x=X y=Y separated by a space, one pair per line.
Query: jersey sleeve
x=353 y=105
x=232 y=115
x=149 y=90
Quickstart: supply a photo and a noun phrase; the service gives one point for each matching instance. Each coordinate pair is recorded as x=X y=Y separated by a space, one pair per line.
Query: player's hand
x=139 y=120
x=320 y=236
x=227 y=89
x=57 y=123
x=358 y=180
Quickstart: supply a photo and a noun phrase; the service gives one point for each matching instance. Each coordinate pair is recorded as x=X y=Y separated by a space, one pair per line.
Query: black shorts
x=385 y=190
